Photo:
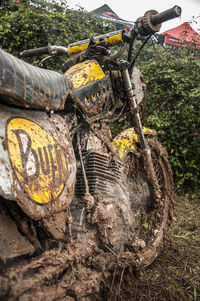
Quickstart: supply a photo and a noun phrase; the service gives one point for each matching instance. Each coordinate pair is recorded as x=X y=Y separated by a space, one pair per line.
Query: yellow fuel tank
x=91 y=86
x=85 y=73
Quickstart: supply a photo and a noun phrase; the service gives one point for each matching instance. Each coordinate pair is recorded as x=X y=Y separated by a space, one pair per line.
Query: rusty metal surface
x=37 y=162
x=28 y=86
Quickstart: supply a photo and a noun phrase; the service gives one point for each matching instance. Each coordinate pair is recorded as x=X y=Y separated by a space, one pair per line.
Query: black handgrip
x=168 y=14
x=34 y=52
x=151 y=21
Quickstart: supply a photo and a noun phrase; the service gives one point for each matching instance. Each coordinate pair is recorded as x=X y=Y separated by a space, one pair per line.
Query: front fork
x=134 y=110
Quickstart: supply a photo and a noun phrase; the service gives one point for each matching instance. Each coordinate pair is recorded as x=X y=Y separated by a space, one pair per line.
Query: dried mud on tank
x=175 y=274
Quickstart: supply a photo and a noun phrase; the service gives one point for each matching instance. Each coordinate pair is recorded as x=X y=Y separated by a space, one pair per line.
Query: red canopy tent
x=182 y=35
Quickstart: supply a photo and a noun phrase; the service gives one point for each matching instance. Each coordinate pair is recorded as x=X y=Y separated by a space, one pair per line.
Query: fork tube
x=150 y=171
x=133 y=106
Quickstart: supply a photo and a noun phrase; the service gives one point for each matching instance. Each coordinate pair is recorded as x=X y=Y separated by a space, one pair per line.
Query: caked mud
x=77 y=207
x=107 y=229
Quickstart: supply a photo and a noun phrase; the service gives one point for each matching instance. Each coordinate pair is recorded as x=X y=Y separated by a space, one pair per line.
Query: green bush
x=173 y=79
x=31 y=24
x=172 y=108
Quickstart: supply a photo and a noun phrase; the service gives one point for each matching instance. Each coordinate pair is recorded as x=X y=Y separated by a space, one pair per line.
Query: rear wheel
x=151 y=216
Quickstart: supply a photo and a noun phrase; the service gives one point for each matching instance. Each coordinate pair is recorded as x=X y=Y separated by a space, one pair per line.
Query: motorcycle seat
x=24 y=85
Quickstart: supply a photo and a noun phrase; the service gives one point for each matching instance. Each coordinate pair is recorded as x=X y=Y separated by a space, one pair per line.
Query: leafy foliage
x=173 y=106
x=35 y=23
x=173 y=79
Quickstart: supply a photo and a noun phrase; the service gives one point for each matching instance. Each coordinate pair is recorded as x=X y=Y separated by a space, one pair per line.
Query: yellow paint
x=83 y=73
x=37 y=159
x=125 y=141
x=76 y=49
x=113 y=40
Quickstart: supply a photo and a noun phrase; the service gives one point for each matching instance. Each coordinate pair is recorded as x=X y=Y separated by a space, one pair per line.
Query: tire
x=151 y=217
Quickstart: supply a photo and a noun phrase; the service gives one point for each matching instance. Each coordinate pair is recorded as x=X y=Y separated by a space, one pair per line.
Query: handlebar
x=150 y=23
x=50 y=49
x=113 y=38
x=34 y=52
x=167 y=15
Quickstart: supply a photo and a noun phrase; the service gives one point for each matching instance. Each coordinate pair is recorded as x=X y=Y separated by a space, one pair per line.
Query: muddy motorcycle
x=76 y=204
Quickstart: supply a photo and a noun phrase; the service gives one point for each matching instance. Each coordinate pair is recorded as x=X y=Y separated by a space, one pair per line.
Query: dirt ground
x=175 y=274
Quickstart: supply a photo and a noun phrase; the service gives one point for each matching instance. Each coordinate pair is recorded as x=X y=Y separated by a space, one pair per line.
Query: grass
x=175 y=274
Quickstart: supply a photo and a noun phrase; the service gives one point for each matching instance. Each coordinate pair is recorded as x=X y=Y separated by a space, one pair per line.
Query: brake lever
x=45 y=59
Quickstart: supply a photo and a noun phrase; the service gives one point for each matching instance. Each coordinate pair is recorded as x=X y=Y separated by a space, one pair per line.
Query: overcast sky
x=130 y=10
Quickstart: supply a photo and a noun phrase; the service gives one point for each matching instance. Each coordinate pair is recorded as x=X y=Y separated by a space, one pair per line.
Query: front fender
x=125 y=141
x=37 y=161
